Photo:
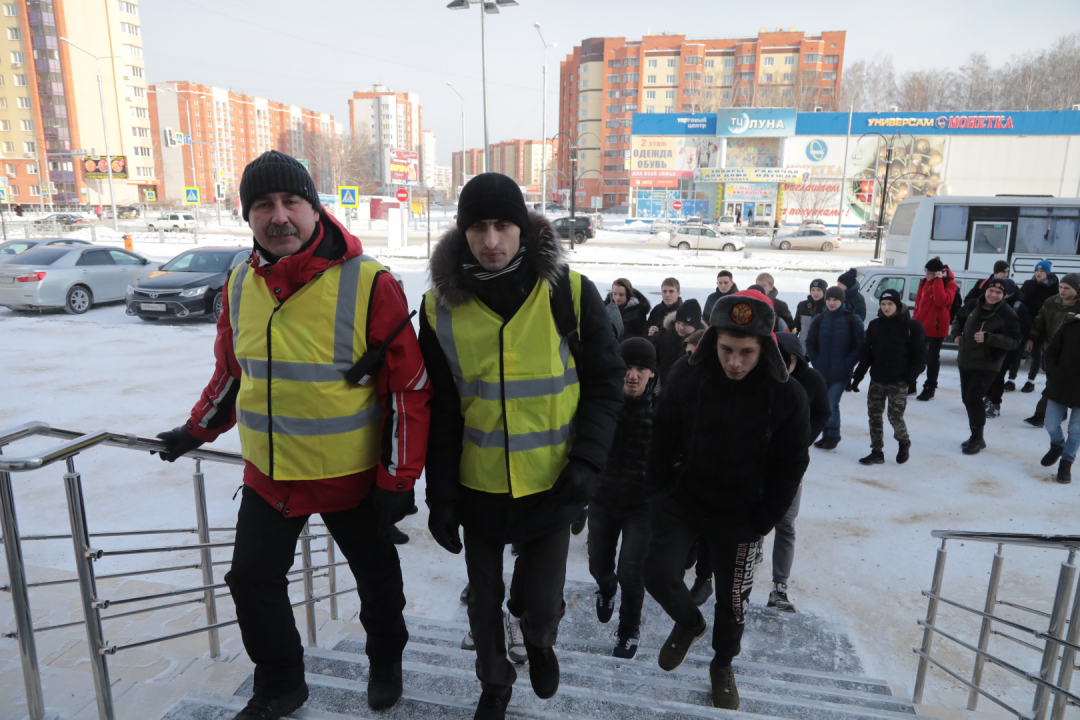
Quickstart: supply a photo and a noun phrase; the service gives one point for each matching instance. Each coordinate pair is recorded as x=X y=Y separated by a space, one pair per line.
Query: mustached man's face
x=282 y=222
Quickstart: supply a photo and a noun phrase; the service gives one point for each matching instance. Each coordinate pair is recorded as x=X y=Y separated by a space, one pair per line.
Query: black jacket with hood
x=634 y=314
x=622 y=481
x=894 y=351
x=1036 y=293
x=817 y=392
x=661 y=311
x=1002 y=329
x=600 y=373
x=713 y=297
x=669 y=345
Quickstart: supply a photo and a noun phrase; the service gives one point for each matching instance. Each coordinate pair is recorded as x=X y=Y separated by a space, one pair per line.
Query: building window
x=144 y=172
x=629 y=108
x=789 y=60
x=672 y=62
x=746 y=76
x=710 y=63
x=789 y=77
x=611 y=138
x=708 y=79
x=650 y=79
x=691 y=77
x=650 y=94
x=20 y=80
x=612 y=154
x=826 y=91
x=613 y=94
x=614 y=63
x=132 y=51
x=24 y=103
x=611 y=168
x=729 y=62
x=144 y=152
x=35 y=191
x=669 y=79
x=728 y=79
x=30 y=147
x=812 y=58
x=692 y=60
x=14 y=33
x=27 y=125
x=631 y=62
x=140 y=132
x=583 y=112
x=648 y=63
x=613 y=108
x=135 y=71
x=139 y=112
x=650 y=109
x=832 y=59
x=630 y=77
x=12 y=169
x=745 y=60
x=766 y=77
x=669 y=94
x=725 y=94
x=5 y=125
x=632 y=92
x=614 y=78
x=129 y=8
x=3 y=103
x=11 y=9
x=583 y=84
x=828 y=75
x=139 y=92
x=129 y=29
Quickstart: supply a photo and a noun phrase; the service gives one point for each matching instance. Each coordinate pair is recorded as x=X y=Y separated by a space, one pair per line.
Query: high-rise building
x=427 y=157
x=604 y=81
x=388 y=119
x=227 y=130
x=522 y=160
x=473 y=165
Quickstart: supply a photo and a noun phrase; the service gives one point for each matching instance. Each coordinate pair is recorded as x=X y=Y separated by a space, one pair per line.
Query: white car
x=174 y=221
x=726 y=225
x=812 y=224
x=807 y=240
x=703 y=237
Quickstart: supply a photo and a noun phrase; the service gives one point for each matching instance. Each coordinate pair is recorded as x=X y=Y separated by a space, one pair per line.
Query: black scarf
x=504 y=291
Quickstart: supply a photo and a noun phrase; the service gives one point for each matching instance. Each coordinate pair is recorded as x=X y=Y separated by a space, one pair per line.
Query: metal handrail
x=1055 y=639
x=86 y=555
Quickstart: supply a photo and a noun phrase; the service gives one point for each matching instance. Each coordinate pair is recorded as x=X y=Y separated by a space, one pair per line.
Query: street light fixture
x=462 y=130
x=543 y=129
x=889 y=148
x=104 y=126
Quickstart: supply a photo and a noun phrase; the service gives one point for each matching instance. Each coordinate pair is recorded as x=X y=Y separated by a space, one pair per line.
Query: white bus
x=972 y=233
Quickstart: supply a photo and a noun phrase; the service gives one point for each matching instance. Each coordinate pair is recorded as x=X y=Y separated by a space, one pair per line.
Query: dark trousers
x=606 y=524
x=541 y=570
x=703 y=570
x=973 y=387
x=264 y=553
x=933 y=361
x=734 y=555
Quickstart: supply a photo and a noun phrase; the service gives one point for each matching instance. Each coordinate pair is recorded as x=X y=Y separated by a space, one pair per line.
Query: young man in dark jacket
x=727 y=456
x=997 y=389
x=1042 y=286
x=725 y=285
x=1051 y=316
x=849 y=283
x=811 y=306
x=1001 y=271
x=985 y=330
x=670 y=300
x=833 y=344
x=895 y=354
x=633 y=307
x=678 y=325
x=620 y=506
x=768 y=286
x=1063 y=397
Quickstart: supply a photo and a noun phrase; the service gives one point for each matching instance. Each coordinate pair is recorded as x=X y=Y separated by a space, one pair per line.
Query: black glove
x=391 y=506
x=443 y=525
x=574 y=485
x=178 y=442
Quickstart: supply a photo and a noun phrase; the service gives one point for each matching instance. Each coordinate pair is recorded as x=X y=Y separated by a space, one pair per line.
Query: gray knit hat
x=275 y=171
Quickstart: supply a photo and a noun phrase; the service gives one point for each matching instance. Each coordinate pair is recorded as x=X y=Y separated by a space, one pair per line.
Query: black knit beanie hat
x=1001 y=266
x=492 y=196
x=690 y=313
x=275 y=171
x=934 y=264
x=836 y=292
x=893 y=296
x=819 y=284
x=639 y=352
x=849 y=278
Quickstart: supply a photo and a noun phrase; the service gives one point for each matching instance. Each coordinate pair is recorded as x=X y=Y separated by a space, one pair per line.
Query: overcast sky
x=315 y=53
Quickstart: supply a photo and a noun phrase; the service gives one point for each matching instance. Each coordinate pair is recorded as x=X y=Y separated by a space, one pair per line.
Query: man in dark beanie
x=811 y=306
x=305 y=309
x=849 y=283
x=678 y=325
x=833 y=344
x=727 y=456
x=620 y=506
x=528 y=387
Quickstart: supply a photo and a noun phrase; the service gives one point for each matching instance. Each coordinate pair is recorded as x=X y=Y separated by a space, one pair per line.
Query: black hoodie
x=817 y=393
x=622 y=481
x=634 y=314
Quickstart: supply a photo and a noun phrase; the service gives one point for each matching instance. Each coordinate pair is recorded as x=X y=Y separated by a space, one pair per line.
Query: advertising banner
x=97 y=168
x=1056 y=122
x=653 y=204
x=661 y=157
x=754 y=152
x=654 y=183
x=752 y=175
x=674 y=124
x=756 y=122
x=756 y=192
x=404 y=167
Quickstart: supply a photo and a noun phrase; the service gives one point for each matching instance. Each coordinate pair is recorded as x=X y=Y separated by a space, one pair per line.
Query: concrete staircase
x=792 y=666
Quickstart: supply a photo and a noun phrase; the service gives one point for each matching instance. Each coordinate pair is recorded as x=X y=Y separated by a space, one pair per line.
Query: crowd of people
x=536 y=409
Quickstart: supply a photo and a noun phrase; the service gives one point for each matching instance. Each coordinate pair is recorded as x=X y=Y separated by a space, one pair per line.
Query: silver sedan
x=73 y=278
x=11 y=249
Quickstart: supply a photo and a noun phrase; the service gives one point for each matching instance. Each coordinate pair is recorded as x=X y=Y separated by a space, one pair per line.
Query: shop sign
x=674 y=124
x=661 y=157
x=756 y=122
x=752 y=175
x=750 y=191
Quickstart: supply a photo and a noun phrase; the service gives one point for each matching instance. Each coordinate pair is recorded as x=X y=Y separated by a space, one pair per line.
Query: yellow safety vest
x=299 y=419
x=519 y=390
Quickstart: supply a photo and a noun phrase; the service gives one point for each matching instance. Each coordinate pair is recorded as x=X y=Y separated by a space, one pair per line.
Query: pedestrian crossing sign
x=3 y=195
x=151 y=196
x=191 y=196
x=349 y=197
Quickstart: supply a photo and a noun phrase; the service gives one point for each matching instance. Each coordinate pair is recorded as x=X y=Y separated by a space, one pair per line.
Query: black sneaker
x=827 y=443
x=626 y=644
x=701 y=591
x=926 y=394
x=605 y=606
x=1034 y=421
x=384 y=684
x=396 y=536
x=678 y=643
x=543 y=670
x=492 y=706
x=993 y=410
x=579 y=524
x=778 y=599
x=1010 y=386
x=876 y=457
x=724 y=693
x=1028 y=387
x=903 y=453
x=263 y=706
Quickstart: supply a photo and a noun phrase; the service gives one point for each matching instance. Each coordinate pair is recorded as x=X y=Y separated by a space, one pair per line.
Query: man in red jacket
x=933 y=303
x=313 y=442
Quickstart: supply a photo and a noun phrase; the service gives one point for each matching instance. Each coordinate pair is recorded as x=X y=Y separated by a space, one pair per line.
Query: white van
x=174 y=221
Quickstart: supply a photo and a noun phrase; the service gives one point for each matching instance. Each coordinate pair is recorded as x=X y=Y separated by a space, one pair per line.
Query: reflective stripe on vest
x=298 y=417
x=519 y=405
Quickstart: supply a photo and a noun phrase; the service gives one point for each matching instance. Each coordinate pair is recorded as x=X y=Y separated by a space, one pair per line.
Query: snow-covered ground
x=864 y=549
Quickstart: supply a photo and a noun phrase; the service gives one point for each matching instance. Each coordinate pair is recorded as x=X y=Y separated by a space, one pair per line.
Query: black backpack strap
x=562 y=308
x=371 y=304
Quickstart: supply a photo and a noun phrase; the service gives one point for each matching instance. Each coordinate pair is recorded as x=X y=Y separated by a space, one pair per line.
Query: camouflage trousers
x=897 y=396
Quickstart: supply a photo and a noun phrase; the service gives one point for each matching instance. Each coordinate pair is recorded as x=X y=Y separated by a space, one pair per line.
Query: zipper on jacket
x=269 y=392
x=502 y=399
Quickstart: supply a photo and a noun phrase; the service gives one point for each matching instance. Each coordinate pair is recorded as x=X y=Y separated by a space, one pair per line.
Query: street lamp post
x=104 y=126
x=885 y=184
x=543 y=130
x=462 y=130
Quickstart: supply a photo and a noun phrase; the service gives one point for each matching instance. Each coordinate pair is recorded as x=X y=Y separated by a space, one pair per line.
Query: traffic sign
x=191 y=196
x=677 y=205
x=151 y=196
x=348 y=197
x=3 y=195
x=402 y=195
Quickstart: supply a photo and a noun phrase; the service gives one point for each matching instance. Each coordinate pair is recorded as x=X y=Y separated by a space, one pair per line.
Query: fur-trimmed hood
x=542 y=250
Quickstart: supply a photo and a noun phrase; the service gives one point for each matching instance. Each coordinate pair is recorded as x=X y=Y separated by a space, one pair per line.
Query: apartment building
x=523 y=160
x=388 y=119
x=427 y=158
x=227 y=130
x=467 y=165
x=604 y=81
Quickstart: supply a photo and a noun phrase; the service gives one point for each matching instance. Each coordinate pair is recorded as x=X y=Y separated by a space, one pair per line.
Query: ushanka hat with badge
x=749 y=312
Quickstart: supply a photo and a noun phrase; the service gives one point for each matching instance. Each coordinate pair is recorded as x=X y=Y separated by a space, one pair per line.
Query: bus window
x=950 y=222
x=989 y=238
x=1040 y=234
x=903 y=219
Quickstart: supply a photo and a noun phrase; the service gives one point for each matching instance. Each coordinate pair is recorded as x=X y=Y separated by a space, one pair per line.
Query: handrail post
x=309 y=587
x=84 y=564
x=1056 y=630
x=931 y=618
x=1068 y=658
x=987 y=625
x=331 y=559
x=20 y=599
x=206 y=559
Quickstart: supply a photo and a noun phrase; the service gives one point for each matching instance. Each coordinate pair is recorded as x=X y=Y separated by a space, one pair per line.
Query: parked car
x=760 y=228
x=661 y=226
x=812 y=224
x=703 y=237
x=173 y=221
x=73 y=278
x=597 y=220
x=583 y=228
x=807 y=240
x=555 y=207
x=125 y=212
x=13 y=249
x=726 y=225
x=875 y=279
x=189 y=285
x=869 y=231
x=65 y=219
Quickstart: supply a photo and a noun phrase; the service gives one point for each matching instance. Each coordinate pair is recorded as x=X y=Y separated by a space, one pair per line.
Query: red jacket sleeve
x=215 y=413
x=404 y=389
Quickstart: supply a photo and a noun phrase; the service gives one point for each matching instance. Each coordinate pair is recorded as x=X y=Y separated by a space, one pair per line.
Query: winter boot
x=1010 y=386
x=975 y=443
x=467 y=642
x=384 y=684
x=515 y=646
x=1034 y=421
x=828 y=443
x=397 y=537
x=778 y=599
x=605 y=605
x=625 y=644
x=724 y=693
x=492 y=706
x=1028 y=387
x=543 y=670
x=464 y=597
x=678 y=643
x=876 y=457
x=1052 y=455
x=263 y=706
x=903 y=453
x=927 y=393
x=579 y=524
x=701 y=591
x=1064 y=473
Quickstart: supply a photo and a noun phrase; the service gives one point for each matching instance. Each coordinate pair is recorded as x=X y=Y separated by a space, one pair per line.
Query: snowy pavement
x=864 y=551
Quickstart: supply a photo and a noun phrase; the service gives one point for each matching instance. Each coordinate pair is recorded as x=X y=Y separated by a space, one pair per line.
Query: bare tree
x=337 y=160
